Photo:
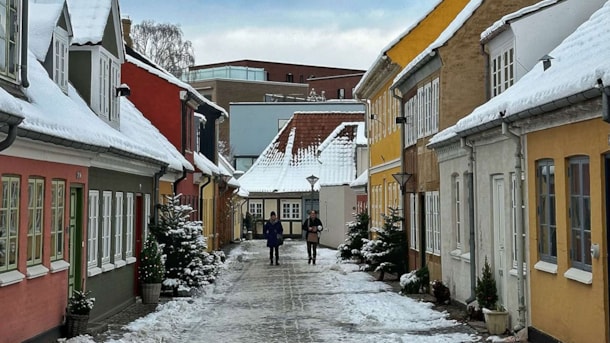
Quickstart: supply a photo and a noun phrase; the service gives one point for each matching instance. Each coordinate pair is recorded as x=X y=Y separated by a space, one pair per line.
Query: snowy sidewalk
x=293 y=303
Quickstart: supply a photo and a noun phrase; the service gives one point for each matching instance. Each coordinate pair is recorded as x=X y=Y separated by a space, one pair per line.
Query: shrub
x=151 y=269
x=486 y=291
x=80 y=302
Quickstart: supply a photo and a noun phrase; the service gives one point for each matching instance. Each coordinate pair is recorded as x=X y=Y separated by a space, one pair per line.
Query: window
x=106 y=226
x=147 y=211
x=502 y=70
x=35 y=220
x=547 y=225
x=9 y=223
x=60 y=58
x=109 y=77
x=410 y=127
x=9 y=38
x=256 y=208
x=457 y=212
x=427 y=108
x=514 y=208
x=291 y=209
x=129 y=226
x=94 y=209
x=118 y=226
x=414 y=221
x=289 y=77
x=433 y=233
x=341 y=93
x=58 y=199
x=580 y=212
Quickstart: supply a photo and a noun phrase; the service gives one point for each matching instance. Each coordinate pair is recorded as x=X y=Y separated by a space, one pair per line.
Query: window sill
x=106 y=267
x=93 y=271
x=546 y=267
x=579 y=275
x=59 y=265
x=36 y=271
x=10 y=278
x=119 y=263
x=131 y=260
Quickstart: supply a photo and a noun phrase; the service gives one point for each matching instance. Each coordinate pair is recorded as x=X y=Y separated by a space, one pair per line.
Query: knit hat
x=272 y=213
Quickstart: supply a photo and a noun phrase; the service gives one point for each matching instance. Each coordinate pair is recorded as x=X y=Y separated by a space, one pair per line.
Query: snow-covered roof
x=157 y=70
x=89 y=18
x=515 y=15
x=578 y=62
x=323 y=144
x=227 y=169
x=42 y=19
x=361 y=180
x=205 y=165
x=455 y=25
x=382 y=55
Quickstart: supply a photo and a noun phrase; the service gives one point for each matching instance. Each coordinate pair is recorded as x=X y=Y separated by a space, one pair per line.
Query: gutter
x=519 y=223
x=13 y=122
x=472 y=245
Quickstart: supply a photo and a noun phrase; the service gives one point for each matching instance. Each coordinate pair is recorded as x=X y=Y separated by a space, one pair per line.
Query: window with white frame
x=291 y=209
x=118 y=226
x=513 y=214
x=146 y=213
x=106 y=226
x=60 y=58
x=502 y=70
x=414 y=221
x=580 y=212
x=58 y=208
x=457 y=211
x=10 y=15
x=546 y=210
x=129 y=225
x=35 y=220
x=256 y=208
x=115 y=81
x=92 y=229
x=109 y=78
x=427 y=108
x=433 y=232
x=9 y=223
x=411 y=126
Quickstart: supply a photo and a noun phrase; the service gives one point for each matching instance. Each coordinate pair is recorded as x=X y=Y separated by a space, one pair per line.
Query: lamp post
x=312 y=179
x=402 y=179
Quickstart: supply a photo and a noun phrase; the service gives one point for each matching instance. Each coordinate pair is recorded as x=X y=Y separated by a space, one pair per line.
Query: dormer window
x=9 y=38
x=60 y=58
x=109 y=77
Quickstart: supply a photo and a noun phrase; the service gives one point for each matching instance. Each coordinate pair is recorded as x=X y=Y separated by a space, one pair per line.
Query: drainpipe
x=156 y=182
x=24 y=45
x=519 y=223
x=471 y=226
x=10 y=138
x=367 y=111
x=402 y=166
x=178 y=181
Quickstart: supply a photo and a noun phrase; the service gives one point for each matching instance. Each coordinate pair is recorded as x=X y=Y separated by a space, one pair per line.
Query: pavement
x=113 y=327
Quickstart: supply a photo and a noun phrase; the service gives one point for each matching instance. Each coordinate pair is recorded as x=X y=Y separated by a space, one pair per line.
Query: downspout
x=471 y=226
x=519 y=223
x=10 y=138
x=179 y=180
x=156 y=182
x=367 y=111
x=24 y=45
x=402 y=168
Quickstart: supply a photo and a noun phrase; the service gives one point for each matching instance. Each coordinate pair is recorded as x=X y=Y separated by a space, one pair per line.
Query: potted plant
x=77 y=318
x=151 y=271
x=496 y=316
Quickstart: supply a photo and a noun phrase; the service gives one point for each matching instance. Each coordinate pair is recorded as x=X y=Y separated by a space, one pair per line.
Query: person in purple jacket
x=273 y=231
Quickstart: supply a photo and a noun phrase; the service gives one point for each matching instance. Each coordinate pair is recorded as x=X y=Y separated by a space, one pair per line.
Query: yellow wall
x=566 y=309
x=208 y=213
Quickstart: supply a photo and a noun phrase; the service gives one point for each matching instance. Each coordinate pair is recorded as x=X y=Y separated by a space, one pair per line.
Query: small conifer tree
x=357 y=231
x=151 y=268
x=486 y=291
x=387 y=251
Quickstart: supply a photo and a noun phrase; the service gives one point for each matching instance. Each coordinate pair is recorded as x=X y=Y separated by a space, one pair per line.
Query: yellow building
x=384 y=134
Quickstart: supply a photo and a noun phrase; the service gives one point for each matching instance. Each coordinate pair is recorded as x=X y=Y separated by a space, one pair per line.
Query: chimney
x=126 y=22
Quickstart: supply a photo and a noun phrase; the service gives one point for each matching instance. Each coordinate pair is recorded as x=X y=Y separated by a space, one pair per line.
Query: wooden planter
x=151 y=293
x=76 y=324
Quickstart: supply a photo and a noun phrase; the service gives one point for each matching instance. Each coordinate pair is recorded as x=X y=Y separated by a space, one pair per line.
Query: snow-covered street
x=253 y=301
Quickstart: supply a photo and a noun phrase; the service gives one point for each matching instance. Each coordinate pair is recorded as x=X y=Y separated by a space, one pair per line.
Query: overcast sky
x=336 y=33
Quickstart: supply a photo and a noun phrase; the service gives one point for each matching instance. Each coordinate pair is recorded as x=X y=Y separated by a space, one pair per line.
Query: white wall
x=337 y=205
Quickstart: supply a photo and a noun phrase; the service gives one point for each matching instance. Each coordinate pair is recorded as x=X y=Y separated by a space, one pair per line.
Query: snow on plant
x=357 y=232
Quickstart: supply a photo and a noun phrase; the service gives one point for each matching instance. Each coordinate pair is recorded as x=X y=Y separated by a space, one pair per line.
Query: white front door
x=499 y=232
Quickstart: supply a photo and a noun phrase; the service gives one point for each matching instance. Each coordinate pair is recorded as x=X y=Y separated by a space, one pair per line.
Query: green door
x=76 y=239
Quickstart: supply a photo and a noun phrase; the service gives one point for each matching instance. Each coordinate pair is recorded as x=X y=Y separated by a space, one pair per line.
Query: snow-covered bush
x=387 y=251
x=415 y=281
x=188 y=265
x=357 y=232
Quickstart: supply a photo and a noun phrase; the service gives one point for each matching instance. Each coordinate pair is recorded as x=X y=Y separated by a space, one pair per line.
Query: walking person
x=312 y=226
x=273 y=231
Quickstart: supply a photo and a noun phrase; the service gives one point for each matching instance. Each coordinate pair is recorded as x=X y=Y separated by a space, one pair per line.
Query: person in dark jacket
x=273 y=231
x=312 y=226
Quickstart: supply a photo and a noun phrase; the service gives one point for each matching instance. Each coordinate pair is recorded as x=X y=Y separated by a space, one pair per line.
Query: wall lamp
x=123 y=90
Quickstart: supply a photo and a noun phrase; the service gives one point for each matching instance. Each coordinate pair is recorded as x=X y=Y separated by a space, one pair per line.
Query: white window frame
x=411 y=126
x=414 y=221
x=290 y=209
x=93 y=228
x=115 y=79
x=434 y=106
x=502 y=69
x=104 y=85
x=255 y=208
x=58 y=210
x=10 y=69
x=36 y=192
x=433 y=233
x=118 y=226
x=60 y=58
x=9 y=216
x=146 y=214
x=129 y=225
x=106 y=226
x=457 y=210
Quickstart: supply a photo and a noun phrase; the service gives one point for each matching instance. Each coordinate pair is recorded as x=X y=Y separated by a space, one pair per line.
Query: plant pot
x=76 y=324
x=151 y=293
x=496 y=321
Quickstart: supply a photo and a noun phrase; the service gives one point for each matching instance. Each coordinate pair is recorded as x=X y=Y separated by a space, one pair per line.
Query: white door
x=499 y=232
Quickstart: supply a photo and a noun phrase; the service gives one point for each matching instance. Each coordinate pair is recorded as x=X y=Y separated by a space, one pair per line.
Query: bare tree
x=163 y=44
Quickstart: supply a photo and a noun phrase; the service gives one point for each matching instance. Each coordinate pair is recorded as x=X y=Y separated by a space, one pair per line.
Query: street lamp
x=402 y=179
x=312 y=179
